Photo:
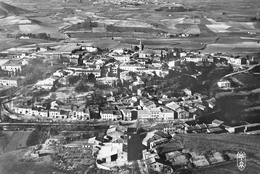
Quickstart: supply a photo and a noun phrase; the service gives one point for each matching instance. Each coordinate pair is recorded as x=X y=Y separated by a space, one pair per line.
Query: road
x=234 y=73
x=54 y=124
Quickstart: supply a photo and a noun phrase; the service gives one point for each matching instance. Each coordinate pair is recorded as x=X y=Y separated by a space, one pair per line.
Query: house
x=157 y=142
x=117 y=115
x=12 y=66
x=27 y=110
x=237 y=60
x=127 y=114
x=179 y=160
x=121 y=58
x=54 y=113
x=174 y=63
x=224 y=84
x=108 y=115
x=80 y=114
x=200 y=160
x=146 y=104
x=157 y=164
x=131 y=67
x=195 y=59
x=147 y=53
x=165 y=101
x=124 y=76
x=90 y=49
x=143 y=114
x=63 y=114
x=217 y=122
x=181 y=113
x=43 y=113
x=236 y=129
x=252 y=127
x=155 y=113
x=107 y=81
x=173 y=105
x=215 y=130
x=47 y=83
x=172 y=155
x=86 y=71
x=11 y=81
x=35 y=112
x=111 y=155
x=168 y=128
x=187 y=92
x=166 y=114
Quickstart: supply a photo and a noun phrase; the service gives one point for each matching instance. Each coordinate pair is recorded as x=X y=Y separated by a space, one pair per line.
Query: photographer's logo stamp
x=241 y=160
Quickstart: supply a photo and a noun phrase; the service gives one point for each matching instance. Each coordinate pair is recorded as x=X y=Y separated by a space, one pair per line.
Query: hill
x=6 y=9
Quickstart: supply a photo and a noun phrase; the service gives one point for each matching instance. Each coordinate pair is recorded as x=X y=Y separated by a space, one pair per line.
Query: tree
x=92 y=77
x=81 y=87
x=73 y=79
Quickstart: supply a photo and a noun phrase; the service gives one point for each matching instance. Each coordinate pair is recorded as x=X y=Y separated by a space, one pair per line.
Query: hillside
x=12 y=140
x=203 y=143
x=6 y=9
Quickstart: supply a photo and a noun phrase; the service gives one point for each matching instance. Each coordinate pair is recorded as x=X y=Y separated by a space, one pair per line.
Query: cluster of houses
x=109 y=73
x=157 y=150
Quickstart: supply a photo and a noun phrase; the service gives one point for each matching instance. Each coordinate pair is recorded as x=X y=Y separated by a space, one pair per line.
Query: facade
x=127 y=114
x=12 y=66
x=108 y=81
x=53 y=113
x=46 y=84
x=121 y=58
x=80 y=114
x=43 y=113
x=26 y=110
x=155 y=113
x=108 y=115
x=166 y=114
x=237 y=61
x=224 y=84
x=131 y=67
x=10 y=81
x=143 y=114
x=193 y=59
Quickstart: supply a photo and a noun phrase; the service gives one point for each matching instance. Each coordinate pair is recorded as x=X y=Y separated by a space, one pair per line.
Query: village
x=83 y=84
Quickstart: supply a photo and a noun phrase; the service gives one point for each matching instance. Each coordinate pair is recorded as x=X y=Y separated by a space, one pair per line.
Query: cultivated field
x=17 y=140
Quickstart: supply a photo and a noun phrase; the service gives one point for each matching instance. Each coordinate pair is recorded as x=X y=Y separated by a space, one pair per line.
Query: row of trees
x=44 y=36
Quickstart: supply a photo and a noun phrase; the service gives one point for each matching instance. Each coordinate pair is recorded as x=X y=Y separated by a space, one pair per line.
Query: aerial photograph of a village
x=129 y=86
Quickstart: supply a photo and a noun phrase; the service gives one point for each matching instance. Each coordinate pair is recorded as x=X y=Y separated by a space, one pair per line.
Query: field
x=7 y=43
x=4 y=139
x=202 y=143
x=230 y=168
x=10 y=164
x=14 y=140
x=14 y=20
x=128 y=22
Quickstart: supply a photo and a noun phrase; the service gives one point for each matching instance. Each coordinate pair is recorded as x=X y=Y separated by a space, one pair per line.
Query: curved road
x=234 y=73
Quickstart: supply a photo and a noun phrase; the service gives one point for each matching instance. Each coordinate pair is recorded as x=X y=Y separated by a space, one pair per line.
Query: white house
x=110 y=81
x=108 y=115
x=224 y=84
x=166 y=114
